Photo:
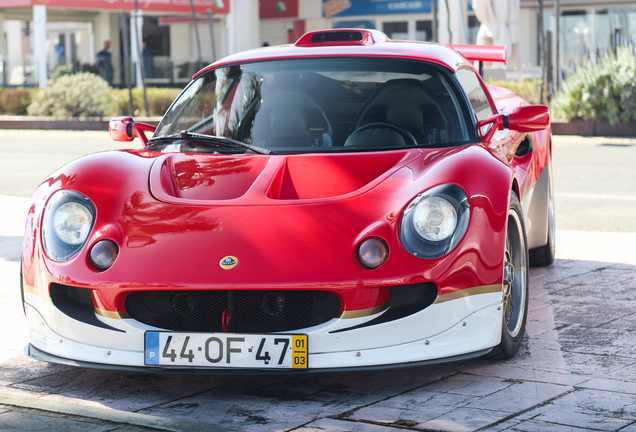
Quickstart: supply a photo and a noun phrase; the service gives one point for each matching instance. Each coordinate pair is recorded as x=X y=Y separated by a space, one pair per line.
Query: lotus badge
x=228 y=262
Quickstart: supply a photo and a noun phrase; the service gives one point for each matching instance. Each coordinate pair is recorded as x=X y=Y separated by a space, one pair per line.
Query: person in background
x=105 y=63
x=146 y=55
x=60 y=51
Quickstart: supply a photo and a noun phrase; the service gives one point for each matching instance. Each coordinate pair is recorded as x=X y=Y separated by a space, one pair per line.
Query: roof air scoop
x=341 y=37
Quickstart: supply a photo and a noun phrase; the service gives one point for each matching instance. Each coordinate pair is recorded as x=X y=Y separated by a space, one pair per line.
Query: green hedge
x=76 y=97
x=602 y=91
x=530 y=90
x=159 y=99
x=14 y=101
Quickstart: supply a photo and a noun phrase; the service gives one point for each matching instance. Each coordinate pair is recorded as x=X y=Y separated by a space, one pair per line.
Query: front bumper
x=457 y=329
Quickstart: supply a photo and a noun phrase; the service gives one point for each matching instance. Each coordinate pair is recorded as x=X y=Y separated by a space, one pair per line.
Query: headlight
x=435 y=218
x=72 y=222
x=435 y=221
x=68 y=220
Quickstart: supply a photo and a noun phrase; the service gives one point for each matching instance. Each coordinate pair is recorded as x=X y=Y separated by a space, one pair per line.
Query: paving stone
x=106 y=387
x=626 y=374
x=332 y=425
x=592 y=314
x=603 y=404
x=464 y=419
x=630 y=428
x=612 y=385
x=245 y=413
x=573 y=417
x=520 y=396
x=515 y=373
x=598 y=341
x=595 y=365
x=625 y=322
x=391 y=415
x=535 y=426
x=469 y=385
x=18 y=422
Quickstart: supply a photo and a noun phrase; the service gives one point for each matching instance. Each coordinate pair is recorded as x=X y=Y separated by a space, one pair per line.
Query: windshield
x=317 y=105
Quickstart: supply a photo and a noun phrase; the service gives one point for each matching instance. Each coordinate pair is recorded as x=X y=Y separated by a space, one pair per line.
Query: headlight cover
x=68 y=221
x=435 y=221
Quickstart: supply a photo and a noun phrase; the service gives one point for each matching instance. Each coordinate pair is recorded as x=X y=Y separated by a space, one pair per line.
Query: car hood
x=290 y=221
x=269 y=180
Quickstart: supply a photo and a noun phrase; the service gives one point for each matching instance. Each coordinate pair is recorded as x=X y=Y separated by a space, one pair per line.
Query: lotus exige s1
x=348 y=201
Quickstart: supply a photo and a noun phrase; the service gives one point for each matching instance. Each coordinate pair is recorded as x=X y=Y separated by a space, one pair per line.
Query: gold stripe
x=486 y=289
x=29 y=289
x=111 y=314
x=364 y=312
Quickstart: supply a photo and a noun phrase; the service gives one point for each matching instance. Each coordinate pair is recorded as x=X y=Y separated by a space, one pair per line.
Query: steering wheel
x=408 y=137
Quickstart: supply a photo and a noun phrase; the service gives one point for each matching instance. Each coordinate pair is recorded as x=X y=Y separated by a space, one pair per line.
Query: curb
x=52 y=123
x=580 y=128
x=594 y=129
x=56 y=407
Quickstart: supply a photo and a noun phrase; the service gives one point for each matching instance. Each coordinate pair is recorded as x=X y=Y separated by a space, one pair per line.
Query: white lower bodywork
x=453 y=328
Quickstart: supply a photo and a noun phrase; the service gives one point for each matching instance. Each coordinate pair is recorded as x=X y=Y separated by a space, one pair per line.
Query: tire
x=544 y=255
x=515 y=284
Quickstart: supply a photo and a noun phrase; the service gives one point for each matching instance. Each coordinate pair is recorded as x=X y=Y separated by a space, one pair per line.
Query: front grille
x=251 y=311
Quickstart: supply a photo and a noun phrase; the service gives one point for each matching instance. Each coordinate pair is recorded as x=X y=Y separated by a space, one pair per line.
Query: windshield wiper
x=222 y=141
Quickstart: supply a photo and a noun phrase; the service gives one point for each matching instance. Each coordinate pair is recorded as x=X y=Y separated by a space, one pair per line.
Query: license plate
x=228 y=350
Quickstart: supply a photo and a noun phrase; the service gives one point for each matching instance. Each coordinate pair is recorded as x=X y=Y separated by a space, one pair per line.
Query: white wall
x=243 y=26
x=274 y=31
x=13 y=59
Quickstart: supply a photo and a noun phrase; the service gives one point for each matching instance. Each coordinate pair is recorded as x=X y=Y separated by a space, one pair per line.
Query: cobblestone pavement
x=575 y=372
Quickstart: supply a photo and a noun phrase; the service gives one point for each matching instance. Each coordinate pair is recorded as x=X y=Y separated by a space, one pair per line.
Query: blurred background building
x=38 y=36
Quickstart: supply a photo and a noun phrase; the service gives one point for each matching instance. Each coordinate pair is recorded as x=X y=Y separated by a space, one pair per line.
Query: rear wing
x=491 y=53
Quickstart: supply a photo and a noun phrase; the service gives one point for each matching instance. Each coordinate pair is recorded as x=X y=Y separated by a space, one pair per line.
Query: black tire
x=543 y=256
x=22 y=285
x=515 y=284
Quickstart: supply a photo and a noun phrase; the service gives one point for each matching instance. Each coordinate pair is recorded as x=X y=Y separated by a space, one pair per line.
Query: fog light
x=273 y=303
x=103 y=254
x=183 y=304
x=372 y=253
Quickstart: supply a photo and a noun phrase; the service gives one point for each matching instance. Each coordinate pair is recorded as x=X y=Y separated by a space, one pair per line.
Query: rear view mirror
x=528 y=118
x=120 y=129
x=125 y=129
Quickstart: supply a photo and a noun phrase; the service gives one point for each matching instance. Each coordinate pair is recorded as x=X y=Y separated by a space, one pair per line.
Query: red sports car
x=348 y=201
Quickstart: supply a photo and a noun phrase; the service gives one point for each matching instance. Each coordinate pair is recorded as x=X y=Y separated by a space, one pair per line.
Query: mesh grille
x=251 y=311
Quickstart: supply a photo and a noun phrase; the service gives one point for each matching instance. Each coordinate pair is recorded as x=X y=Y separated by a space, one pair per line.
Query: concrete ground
x=575 y=372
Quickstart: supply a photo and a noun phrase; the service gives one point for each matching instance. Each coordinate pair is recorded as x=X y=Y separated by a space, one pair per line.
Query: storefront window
x=473 y=28
x=424 y=31
x=576 y=37
x=396 y=30
x=588 y=33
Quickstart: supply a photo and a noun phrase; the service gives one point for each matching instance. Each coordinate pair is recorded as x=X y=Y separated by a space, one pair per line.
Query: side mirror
x=528 y=118
x=125 y=129
x=121 y=129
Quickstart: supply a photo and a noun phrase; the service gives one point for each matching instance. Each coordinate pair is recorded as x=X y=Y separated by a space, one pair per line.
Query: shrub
x=71 y=69
x=530 y=90
x=602 y=91
x=159 y=99
x=15 y=100
x=77 y=95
